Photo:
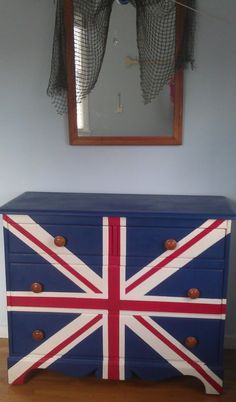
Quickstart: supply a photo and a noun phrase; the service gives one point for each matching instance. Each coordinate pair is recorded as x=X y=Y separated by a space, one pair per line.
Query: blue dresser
x=117 y=285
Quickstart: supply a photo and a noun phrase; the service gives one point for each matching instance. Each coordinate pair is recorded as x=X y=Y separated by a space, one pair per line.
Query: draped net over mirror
x=159 y=54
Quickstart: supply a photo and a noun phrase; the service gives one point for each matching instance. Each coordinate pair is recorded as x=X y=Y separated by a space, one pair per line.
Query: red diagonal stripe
x=59 y=347
x=179 y=352
x=174 y=255
x=48 y=251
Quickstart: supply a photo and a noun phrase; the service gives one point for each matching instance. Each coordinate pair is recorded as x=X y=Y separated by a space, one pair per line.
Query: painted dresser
x=117 y=285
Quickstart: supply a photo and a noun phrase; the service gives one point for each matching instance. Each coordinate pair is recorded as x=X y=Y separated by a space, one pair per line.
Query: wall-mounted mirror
x=114 y=112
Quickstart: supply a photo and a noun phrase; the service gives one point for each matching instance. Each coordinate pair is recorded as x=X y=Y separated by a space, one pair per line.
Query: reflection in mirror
x=115 y=106
x=114 y=111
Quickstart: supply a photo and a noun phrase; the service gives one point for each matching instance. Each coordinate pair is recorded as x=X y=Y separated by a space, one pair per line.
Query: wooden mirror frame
x=75 y=139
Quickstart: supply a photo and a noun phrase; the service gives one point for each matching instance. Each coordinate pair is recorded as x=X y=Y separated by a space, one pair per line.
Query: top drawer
x=207 y=242
x=25 y=238
x=92 y=237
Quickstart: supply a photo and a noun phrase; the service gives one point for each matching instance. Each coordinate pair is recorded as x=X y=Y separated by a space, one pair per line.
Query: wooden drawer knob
x=193 y=293
x=191 y=342
x=37 y=287
x=170 y=244
x=59 y=241
x=38 y=335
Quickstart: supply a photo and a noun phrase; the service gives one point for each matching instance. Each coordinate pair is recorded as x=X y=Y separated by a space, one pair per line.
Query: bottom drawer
x=73 y=335
x=130 y=337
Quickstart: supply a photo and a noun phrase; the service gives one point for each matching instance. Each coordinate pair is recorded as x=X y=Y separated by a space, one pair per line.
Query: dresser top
x=121 y=204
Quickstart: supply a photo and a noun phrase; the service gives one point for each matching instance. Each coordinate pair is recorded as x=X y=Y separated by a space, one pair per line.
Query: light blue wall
x=34 y=150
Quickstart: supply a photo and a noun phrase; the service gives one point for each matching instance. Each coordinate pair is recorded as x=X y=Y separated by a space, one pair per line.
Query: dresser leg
x=20 y=380
x=212 y=382
x=212 y=388
x=211 y=391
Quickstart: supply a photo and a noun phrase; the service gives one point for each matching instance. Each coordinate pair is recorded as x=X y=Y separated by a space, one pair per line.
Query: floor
x=47 y=386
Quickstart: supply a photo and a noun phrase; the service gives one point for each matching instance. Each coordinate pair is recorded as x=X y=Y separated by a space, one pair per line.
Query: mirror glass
x=114 y=112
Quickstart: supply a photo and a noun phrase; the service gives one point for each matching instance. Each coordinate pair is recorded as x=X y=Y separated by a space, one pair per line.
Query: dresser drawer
x=152 y=242
x=177 y=282
x=170 y=334
x=23 y=325
x=79 y=240
x=177 y=330
x=23 y=276
x=26 y=234
x=171 y=282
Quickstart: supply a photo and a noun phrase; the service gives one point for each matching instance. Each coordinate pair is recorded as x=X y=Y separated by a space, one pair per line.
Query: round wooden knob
x=191 y=342
x=193 y=293
x=37 y=287
x=38 y=335
x=60 y=241
x=170 y=244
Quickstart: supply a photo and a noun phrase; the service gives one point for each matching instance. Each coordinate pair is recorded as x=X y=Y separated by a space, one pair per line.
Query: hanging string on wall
x=156 y=34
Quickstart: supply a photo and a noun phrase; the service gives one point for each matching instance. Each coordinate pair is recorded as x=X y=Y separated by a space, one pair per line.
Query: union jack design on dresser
x=129 y=306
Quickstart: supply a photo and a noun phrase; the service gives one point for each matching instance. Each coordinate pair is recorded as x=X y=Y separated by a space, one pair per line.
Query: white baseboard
x=3 y=331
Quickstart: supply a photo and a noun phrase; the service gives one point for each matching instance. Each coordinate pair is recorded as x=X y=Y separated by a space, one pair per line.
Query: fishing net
x=159 y=59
